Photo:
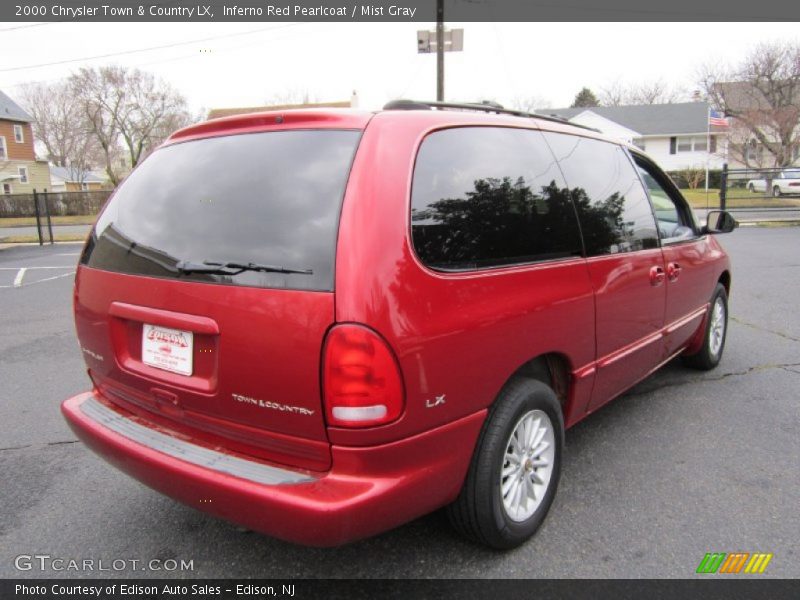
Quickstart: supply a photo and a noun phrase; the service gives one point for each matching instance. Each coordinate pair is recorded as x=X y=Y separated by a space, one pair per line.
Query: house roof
x=11 y=111
x=648 y=119
x=74 y=175
x=216 y=113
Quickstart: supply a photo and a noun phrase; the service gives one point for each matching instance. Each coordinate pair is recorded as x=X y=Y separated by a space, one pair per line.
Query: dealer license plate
x=168 y=349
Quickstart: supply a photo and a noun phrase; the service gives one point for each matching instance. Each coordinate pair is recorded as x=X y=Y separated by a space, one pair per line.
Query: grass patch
x=741 y=198
x=787 y=223
x=31 y=221
x=32 y=239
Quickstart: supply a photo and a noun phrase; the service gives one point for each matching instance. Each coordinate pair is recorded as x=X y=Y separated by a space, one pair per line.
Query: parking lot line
x=51 y=278
x=22 y=271
x=20 y=275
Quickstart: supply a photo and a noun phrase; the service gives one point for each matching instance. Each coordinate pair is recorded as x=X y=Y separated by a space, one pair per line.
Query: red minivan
x=322 y=324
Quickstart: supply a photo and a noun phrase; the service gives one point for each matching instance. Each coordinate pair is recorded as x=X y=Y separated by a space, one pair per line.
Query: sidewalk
x=28 y=233
x=758 y=217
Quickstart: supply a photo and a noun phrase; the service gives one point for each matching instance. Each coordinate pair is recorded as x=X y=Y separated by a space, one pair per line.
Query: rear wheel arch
x=725 y=280
x=552 y=369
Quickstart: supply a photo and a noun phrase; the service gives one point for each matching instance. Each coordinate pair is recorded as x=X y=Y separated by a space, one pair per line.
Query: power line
x=139 y=50
x=26 y=26
x=152 y=62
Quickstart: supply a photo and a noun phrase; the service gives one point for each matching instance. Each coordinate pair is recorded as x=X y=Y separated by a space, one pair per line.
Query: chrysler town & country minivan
x=321 y=325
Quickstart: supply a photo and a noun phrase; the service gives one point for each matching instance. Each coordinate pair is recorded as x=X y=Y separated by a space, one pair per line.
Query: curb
x=771 y=223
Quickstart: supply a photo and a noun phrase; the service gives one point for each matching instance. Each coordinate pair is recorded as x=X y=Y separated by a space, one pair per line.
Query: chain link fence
x=56 y=204
x=31 y=217
x=764 y=194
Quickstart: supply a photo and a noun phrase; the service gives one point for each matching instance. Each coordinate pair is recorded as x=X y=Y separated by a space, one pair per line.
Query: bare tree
x=693 y=176
x=652 y=92
x=530 y=103
x=154 y=110
x=615 y=94
x=127 y=109
x=291 y=96
x=762 y=96
x=101 y=101
x=60 y=127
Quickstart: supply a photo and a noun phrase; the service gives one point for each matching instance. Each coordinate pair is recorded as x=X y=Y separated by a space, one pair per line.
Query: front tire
x=752 y=188
x=515 y=469
x=715 y=334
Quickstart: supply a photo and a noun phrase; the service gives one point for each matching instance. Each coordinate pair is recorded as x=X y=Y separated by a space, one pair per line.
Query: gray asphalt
x=685 y=463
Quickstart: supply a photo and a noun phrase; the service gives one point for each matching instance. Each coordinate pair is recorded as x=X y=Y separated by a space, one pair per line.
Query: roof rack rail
x=485 y=106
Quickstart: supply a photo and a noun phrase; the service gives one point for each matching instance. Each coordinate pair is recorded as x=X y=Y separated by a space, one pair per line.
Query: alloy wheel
x=527 y=465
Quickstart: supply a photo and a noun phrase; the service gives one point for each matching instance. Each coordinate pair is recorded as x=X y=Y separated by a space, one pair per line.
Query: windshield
x=263 y=198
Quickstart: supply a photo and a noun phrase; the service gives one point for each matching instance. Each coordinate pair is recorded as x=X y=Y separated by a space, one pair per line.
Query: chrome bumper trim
x=186 y=451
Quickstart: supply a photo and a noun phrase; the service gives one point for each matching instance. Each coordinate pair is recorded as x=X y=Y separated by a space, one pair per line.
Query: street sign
x=453 y=41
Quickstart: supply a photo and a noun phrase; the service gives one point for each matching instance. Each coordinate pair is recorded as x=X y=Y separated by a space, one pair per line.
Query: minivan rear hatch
x=206 y=288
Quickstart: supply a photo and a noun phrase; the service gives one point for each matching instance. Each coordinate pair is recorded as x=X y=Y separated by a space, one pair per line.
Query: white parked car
x=786 y=182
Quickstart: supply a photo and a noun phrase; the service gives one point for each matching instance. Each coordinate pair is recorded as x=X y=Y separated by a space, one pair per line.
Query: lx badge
x=439 y=400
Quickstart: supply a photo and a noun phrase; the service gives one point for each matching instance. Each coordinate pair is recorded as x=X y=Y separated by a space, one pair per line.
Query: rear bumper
x=368 y=490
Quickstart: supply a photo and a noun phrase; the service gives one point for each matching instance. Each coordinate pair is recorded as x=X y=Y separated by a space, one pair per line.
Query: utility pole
x=440 y=50
x=445 y=41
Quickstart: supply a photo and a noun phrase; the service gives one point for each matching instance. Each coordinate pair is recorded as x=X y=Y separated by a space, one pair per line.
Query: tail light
x=795 y=184
x=362 y=385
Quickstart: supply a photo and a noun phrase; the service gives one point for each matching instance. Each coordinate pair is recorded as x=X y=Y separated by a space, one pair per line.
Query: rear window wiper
x=234 y=268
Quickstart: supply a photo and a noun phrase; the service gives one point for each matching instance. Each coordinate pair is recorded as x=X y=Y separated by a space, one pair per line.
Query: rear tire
x=752 y=188
x=515 y=468
x=776 y=191
x=715 y=334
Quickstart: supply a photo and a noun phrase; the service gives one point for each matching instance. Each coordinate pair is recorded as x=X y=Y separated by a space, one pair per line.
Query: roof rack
x=484 y=106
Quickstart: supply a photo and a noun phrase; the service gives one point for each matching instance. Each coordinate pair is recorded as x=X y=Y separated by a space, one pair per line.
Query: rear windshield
x=271 y=199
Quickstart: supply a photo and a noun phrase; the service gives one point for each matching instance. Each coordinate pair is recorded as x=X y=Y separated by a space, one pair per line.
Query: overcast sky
x=500 y=61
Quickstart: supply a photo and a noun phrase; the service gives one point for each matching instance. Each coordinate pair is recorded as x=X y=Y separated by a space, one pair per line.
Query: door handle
x=673 y=271
x=656 y=276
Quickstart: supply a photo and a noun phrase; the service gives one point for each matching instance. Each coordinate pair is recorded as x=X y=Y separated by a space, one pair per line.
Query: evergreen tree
x=585 y=98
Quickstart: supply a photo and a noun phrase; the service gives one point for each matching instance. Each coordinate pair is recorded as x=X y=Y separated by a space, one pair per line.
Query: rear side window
x=613 y=207
x=487 y=197
x=269 y=198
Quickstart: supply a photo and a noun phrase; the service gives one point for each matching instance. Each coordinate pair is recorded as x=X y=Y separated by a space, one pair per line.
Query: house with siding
x=775 y=116
x=677 y=136
x=20 y=172
x=70 y=179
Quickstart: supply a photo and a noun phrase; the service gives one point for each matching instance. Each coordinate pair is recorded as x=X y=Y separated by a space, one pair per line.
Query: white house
x=676 y=136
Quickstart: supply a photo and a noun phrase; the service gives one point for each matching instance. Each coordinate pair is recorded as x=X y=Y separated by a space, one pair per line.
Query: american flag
x=717 y=118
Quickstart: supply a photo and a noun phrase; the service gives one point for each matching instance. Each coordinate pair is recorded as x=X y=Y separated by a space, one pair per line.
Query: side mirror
x=720 y=221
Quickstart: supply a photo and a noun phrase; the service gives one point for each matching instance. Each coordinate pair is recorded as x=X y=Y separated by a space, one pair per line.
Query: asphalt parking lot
x=685 y=463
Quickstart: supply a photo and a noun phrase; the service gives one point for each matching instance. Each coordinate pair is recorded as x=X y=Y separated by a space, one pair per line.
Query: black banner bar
x=711 y=588
x=397 y=10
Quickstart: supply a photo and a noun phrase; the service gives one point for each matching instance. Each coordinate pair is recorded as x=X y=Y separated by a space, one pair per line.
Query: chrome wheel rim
x=716 y=333
x=527 y=465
